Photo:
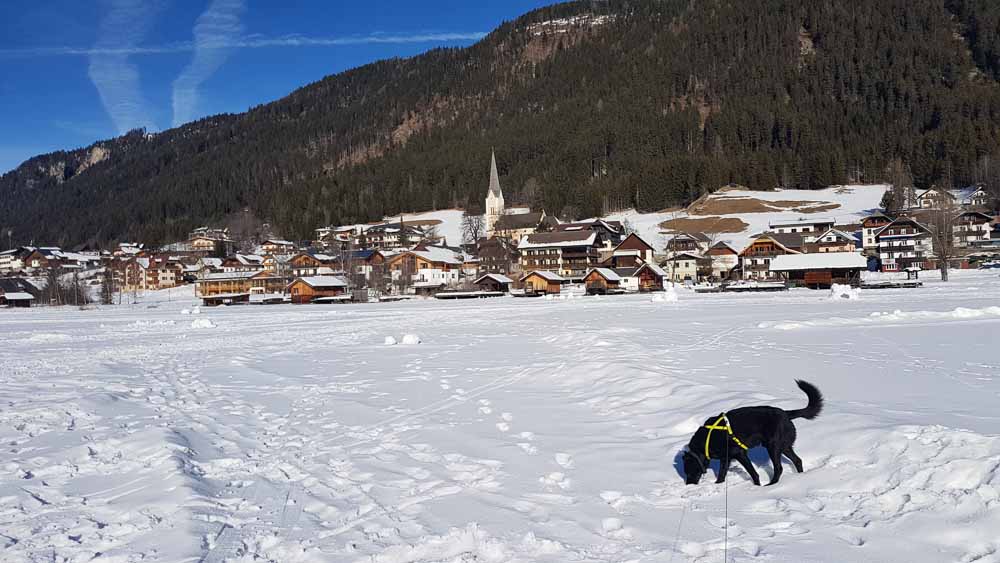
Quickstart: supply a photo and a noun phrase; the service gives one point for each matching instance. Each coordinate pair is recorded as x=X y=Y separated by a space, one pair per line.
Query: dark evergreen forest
x=645 y=103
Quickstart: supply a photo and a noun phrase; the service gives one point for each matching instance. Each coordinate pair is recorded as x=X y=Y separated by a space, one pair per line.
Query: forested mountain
x=589 y=105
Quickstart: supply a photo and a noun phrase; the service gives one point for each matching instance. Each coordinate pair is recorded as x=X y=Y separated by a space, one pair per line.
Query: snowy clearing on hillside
x=516 y=430
x=853 y=203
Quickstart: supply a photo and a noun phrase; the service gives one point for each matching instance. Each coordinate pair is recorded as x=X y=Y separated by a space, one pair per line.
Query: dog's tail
x=815 y=405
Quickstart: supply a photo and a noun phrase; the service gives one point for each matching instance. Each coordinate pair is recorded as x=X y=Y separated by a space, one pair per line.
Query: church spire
x=494 y=177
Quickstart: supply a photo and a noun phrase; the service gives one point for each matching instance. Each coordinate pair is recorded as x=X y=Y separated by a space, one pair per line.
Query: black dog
x=730 y=435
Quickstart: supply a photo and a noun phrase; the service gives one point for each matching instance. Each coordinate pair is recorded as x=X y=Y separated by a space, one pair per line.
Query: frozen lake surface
x=515 y=430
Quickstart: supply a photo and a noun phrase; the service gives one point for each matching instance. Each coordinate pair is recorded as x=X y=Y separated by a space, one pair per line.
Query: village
x=511 y=250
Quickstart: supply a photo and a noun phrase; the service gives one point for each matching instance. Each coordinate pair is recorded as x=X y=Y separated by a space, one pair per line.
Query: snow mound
x=669 y=295
x=390 y=341
x=459 y=544
x=202 y=323
x=196 y=311
x=839 y=291
x=185 y=311
x=411 y=339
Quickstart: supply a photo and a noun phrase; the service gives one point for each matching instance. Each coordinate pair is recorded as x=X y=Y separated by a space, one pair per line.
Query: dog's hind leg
x=796 y=460
x=775 y=453
x=745 y=462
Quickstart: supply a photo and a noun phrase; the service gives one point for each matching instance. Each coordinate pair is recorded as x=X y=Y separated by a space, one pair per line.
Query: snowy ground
x=517 y=430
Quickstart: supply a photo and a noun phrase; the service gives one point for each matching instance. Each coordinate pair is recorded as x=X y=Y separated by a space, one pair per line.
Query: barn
x=542 y=281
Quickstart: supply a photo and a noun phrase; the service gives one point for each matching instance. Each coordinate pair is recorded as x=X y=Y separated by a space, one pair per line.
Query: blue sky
x=73 y=72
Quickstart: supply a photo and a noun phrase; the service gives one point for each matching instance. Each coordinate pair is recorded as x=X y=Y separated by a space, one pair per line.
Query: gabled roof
x=910 y=220
x=320 y=282
x=545 y=274
x=499 y=278
x=606 y=273
x=838 y=233
x=517 y=221
x=723 y=246
x=634 y=236
x=438 y=254
x=558 y=239
x=653 y=268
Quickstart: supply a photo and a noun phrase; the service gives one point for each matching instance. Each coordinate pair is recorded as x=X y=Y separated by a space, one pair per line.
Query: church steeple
x=494 y=197
x=494 y=177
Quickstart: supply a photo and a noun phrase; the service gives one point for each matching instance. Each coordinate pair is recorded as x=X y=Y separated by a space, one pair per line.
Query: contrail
x=214 y=33
x=247 y=42
x=116 y=79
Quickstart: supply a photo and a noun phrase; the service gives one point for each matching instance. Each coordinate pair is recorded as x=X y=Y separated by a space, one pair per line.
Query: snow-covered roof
x=17 y=296
x=687 y=256
x=438 y=254
x=279 y=242
x=500 y=278
x=838 y=232
x=545 y=274
x=818 y=261
x=656 y=269
x=606 y=273
x=322 y=281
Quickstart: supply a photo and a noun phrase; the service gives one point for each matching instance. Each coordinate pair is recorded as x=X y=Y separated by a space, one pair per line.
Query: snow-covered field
x=516 y=430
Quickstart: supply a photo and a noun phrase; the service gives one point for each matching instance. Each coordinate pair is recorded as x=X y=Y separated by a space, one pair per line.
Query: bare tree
x=941 y=222
x=473 y=227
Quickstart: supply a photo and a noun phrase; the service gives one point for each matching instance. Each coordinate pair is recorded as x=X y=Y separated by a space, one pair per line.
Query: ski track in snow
x=517 y=430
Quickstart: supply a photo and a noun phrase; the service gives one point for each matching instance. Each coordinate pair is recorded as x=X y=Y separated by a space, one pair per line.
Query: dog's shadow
x=758 y=457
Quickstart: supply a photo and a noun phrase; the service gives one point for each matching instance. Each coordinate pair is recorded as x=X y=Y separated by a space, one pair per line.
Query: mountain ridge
x=657 y=104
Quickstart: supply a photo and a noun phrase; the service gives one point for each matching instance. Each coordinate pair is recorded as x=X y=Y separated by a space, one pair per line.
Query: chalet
x=243 y=263
x=542 y=281
x=493 y=282
x=277 y=246
x=211 y=241
x=633 y=251
x=569 y=253
x=686 y=266
x=802 y=225
x=427 y=264
x=903 y=244
x=515 y=226
x=602 y=280
x=44 y=258
x=724 y=260
x=819 y=270
x=277 y=264
x=363 y=264
x=390 y=236
x=755 y=259
x=15 y=292
x=974 y=196
x=972 y=229
x=934 y=198
x=318 y=289
x=831 y=240
x=687 y=242
x=871 y=225
x=306 y=264
x=160 y=272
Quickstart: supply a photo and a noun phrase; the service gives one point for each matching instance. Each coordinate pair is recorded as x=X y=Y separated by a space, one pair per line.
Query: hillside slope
x=591 y=106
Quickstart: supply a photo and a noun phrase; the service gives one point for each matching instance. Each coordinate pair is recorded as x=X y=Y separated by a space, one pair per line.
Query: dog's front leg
x=723 y=469
x=745 y=462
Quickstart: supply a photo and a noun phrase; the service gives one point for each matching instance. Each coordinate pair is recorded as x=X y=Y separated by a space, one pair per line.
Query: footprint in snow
x=528 y=448
x=555 y=479
x=503 y=426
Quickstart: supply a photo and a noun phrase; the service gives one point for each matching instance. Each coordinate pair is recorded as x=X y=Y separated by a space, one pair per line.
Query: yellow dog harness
x=728 y=428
